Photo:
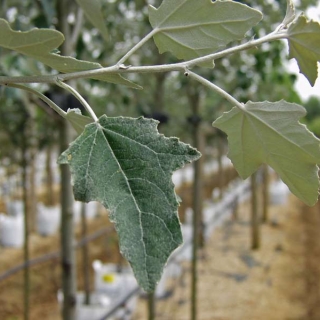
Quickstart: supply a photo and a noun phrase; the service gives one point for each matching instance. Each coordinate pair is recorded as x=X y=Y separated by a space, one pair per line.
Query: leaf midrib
x=280 y=169
x=250 y=113
x=173 y=12
x=137 y=142
x=188 y=26
x=101 y=130
x=144 y=146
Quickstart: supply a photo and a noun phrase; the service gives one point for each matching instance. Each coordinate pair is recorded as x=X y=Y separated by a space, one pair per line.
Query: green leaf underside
x=39 y=44
x=194 y=28
x=77 y=120
x=92 y=10
x=304 y=46
x=125 y=164
x=270 y=133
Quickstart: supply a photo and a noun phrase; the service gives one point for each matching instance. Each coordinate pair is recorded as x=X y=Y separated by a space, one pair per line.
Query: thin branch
x=245 y=46
x=79 y=97
x=137 y=46
x=217 y=89
x=49 y=102
x=119 y=69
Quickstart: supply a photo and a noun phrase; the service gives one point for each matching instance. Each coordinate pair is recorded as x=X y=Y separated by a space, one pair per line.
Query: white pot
x=12 y=231
x=48 y=219
x=184 y=252
x=91 y=210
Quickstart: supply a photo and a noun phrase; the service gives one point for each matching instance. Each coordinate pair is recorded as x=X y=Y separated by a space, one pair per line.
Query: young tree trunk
x=49 y=178
x=85 y=256
x=159 y=92
x=26 y=286
x=32 y=197
x=32 y=193
x=265 y=193
x=235 y=213
x=28 y=151
x=197 y=215
x=194 y=99
x=255 y=219
x=151 y=306
x=221 y=177
x=68 y=260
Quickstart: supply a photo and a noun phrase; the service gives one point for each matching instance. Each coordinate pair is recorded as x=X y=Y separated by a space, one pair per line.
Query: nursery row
x=116 y=291
x=48 y=217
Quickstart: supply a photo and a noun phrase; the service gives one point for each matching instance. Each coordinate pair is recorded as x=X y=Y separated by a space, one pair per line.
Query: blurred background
x=259 y=247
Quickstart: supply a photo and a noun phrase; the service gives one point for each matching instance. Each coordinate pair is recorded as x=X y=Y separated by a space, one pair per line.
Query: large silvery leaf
x=39 y=44
x=125 y=164
x=270 y=133
x=304 y=46
x=194 y=28
x=92 y=10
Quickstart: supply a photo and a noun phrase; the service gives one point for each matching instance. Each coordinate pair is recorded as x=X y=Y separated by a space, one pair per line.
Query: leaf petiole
x=215 y=88
x=79 y=97
x=137 y=46
x=51 y=104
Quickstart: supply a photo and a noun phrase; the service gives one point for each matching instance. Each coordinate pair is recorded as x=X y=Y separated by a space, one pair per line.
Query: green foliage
x=312 y=106
x=13 y=122
x=312 y=118
x=92 y=9
x=314 y=126
x=304 y=39
x=193 y=28
x=39 y=44
x=266 y=132
x=127 y=166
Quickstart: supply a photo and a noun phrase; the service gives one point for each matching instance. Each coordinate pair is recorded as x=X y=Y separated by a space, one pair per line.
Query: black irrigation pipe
x=82 y=242
x=93 y=236
x=54 y=255
x=173 y=259
x=30 y=263
x=230 y=205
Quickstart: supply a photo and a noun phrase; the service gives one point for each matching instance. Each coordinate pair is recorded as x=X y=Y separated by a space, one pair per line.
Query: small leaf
x=304 y=46
x=125 y=164
x=290 y=14
x=39 y=44
x=77 y=120
x=194 y=28
x=270 y=133
x=92 y=10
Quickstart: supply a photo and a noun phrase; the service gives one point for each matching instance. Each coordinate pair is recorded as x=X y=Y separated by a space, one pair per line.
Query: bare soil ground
x=45 y=278
x=281 y=281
